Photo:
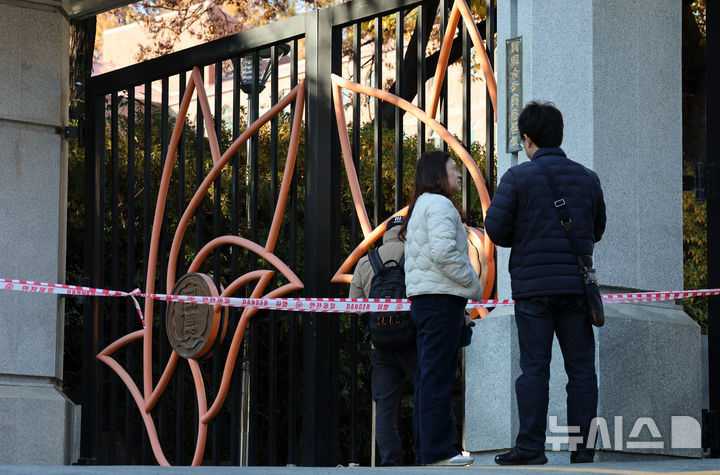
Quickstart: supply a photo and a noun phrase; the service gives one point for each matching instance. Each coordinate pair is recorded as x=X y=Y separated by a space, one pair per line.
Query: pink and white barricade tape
x=314 y=305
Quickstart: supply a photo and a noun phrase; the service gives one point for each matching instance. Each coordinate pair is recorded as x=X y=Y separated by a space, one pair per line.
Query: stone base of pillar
x=39 y=425
x=648 y=360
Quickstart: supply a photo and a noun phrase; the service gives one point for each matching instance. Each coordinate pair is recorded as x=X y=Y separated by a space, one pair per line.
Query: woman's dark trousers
x=538 y=319
x=438 y=319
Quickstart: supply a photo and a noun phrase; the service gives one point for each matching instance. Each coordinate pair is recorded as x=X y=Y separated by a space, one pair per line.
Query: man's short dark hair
x=543 y=123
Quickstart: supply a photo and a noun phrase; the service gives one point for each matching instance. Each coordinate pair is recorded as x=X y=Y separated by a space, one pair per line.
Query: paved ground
x=682 y=466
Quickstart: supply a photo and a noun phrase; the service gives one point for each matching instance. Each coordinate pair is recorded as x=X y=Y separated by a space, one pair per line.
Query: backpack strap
x=375 y=261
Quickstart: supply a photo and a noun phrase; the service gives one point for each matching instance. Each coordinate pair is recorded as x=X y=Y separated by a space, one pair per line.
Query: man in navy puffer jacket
x=547 y=284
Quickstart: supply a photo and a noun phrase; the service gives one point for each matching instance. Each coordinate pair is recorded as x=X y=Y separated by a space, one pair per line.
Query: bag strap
x=562 y=211
x=375 y=261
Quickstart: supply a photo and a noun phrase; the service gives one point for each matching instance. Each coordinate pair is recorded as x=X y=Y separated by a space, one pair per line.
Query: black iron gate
x=299 y=392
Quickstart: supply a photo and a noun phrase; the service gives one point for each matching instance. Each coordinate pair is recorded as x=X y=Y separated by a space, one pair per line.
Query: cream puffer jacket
x=436 y=252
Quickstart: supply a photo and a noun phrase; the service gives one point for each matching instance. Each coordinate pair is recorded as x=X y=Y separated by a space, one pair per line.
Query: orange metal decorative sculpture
x=193 y=332
x=188 y=328
x=476 y=236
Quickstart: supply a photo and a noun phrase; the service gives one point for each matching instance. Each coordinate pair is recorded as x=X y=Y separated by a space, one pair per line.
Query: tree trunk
x=82 y=46
x=693 y=89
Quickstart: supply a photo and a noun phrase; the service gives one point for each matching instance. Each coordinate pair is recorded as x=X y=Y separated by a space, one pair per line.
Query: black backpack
x=389 y=329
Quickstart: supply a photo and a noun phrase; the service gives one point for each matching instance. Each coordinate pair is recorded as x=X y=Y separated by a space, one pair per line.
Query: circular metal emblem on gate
x=192 y=327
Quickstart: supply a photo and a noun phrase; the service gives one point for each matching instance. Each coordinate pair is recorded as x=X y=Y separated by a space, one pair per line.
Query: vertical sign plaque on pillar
x=513 y=56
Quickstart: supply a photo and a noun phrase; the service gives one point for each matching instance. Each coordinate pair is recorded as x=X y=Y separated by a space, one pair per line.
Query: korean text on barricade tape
x=62 y=289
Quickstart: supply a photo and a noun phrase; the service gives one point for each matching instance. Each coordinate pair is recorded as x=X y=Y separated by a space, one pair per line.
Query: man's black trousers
x=538 y=319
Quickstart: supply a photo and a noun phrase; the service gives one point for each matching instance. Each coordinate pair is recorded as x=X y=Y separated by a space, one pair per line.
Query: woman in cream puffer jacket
x=438 y=280
x=436 y=251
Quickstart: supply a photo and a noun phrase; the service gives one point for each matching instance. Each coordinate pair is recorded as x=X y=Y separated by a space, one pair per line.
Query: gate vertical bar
x=147 y=165
x=199 y=159
x=162 y=406
x=421 y=45
x=444 y=89
x=253 y=216
x=147 y=215
x=235 y=399
x=91 y=430
x=180 y=374
x=712 y=122
x=292 y=332
x=490 y=30
x=322 y=220
x=399 y=168
x=99 y=258
x=217 y=214
x=354 y=340
x=272 y=372
x=379 y=214
x=357 y=71
x=466 y=122
x=114 y=269
x=130 y=318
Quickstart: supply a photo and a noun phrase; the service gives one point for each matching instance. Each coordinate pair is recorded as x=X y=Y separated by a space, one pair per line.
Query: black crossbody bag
x=595 y=312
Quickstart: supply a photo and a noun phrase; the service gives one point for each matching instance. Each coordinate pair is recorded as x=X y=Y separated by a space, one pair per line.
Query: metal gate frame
x=320 y=29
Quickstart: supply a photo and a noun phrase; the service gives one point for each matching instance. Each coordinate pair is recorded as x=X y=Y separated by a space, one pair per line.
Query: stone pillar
x=613 y=68
x=38 y=422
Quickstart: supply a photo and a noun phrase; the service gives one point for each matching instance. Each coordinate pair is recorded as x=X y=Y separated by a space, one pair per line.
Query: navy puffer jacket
x=522 y=216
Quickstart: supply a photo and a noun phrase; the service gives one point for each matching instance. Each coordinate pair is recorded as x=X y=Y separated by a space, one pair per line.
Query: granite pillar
x=37 y=422
x=613 y=68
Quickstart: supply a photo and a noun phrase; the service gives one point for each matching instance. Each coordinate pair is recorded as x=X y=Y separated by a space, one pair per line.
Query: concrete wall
x=37 y=421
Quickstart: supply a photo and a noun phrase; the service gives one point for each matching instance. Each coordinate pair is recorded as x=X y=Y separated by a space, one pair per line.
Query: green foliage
x=695 y=256
x=698 y=10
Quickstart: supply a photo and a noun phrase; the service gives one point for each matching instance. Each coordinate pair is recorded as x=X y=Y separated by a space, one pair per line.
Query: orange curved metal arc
x=234 y=349
x=438 y=128
x=263 y=277
x=207 y=116
x=343 y=276
x=236 y=284
x=349 y=164
x=202 y=409
x=338 y=82
x=147 y=399
x=485 y=65
x=290 y=159
x=169 y=369
x=247 y=244
x=119 y=343
x=163 y=381
x=155 y=236
x=297 y=92
x=489 y=261
x=443 y=57
x=140 y=402
x=217 y=168
x=460 y=8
